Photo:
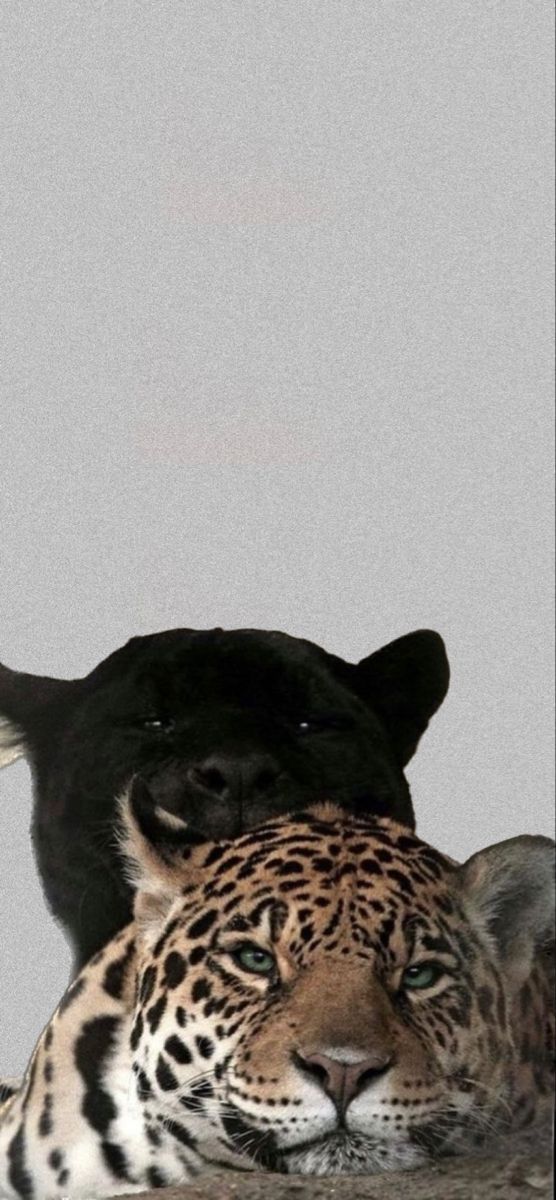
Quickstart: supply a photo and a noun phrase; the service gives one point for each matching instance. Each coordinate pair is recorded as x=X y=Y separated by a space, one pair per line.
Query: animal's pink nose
x=343 y=1081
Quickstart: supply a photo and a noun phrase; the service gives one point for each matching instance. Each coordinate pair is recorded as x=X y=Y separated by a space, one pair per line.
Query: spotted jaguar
x=326 y=994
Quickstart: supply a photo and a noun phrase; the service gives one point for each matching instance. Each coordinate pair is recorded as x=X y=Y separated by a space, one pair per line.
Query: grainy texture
x=516 y=1169
x=277 y=328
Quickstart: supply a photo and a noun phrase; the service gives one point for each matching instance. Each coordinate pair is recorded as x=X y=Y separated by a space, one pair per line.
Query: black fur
x=227 y=728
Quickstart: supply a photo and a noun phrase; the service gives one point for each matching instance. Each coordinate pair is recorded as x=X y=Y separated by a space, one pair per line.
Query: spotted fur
x=167 y=1056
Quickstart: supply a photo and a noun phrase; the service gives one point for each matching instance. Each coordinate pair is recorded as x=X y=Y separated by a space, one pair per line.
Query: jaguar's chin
x=344 y=1153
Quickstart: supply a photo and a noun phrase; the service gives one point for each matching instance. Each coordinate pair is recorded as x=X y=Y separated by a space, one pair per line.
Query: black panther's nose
x=228 y=778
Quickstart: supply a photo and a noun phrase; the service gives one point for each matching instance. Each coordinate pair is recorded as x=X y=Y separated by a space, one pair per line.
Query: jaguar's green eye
x=422 y=975
x=252 y=958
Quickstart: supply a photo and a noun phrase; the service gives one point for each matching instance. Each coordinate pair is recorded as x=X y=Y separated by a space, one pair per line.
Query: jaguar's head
x=329 y=994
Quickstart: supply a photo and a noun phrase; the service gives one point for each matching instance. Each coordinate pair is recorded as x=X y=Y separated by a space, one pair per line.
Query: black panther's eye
x=326 y=723
x=154 y=724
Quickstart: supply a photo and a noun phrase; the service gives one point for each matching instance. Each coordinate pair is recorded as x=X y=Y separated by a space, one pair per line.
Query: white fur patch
x=12 y=742
x=171 y=820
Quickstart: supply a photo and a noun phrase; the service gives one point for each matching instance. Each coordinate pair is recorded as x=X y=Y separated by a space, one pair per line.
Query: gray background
x=277 y=353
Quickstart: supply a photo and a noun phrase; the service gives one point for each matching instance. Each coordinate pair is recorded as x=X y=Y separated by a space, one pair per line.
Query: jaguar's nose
x=343 y=1081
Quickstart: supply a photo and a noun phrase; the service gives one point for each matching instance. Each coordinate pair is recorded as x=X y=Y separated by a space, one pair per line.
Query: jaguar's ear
x=156 y=847
x=405 y=682
x=508 y=889
x=27 y=702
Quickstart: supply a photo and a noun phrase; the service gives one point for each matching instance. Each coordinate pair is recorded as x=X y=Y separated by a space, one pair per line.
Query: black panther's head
x=227 y=727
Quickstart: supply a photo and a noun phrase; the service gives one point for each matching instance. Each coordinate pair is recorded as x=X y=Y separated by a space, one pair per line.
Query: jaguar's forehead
x=323 y=826
x=314 y=858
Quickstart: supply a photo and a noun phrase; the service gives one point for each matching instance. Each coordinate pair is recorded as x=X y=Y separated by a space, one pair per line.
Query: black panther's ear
x=405 y=682
x=508 y=890
x=24 y=702
x=155 y=846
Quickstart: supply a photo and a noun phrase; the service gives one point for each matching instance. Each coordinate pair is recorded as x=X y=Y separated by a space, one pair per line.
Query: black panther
x=227 y=728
